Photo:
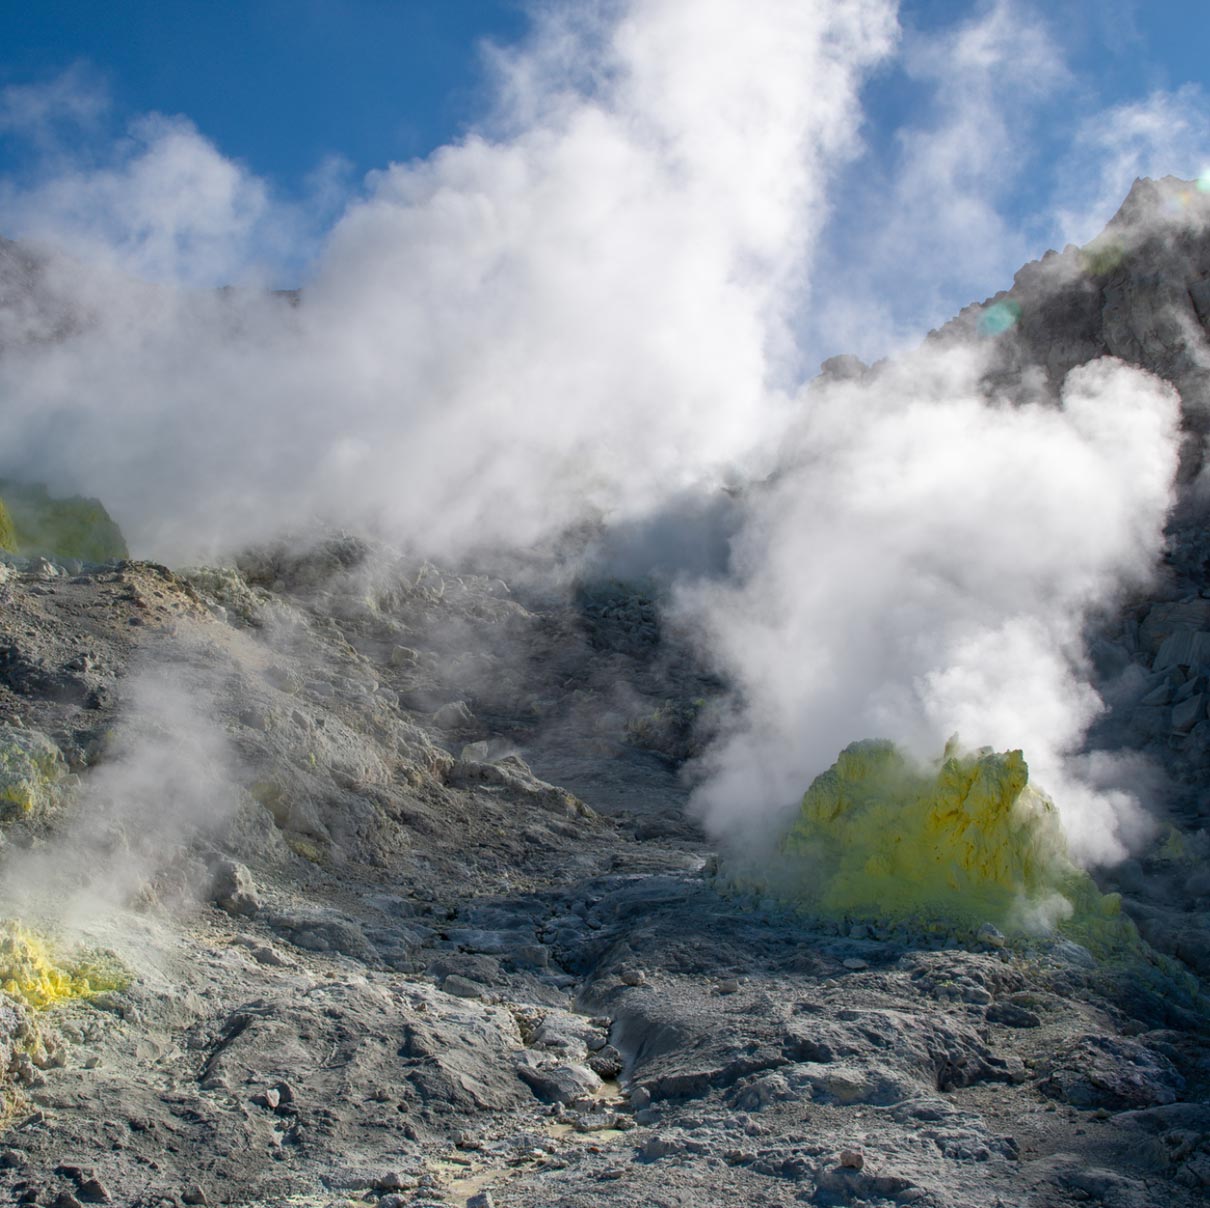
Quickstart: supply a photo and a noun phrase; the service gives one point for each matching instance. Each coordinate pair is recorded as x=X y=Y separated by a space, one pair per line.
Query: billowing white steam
x=593 y=305
x=925 y=565
x=586 y=311
x=167 y=779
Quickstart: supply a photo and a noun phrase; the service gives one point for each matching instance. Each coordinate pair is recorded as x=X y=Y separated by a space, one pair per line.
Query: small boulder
x=402 y=656
x=462 y=987
x=393 y=1181
x=232 y=888
x=559 y=1083
x=454 y=716
x=93 y=1191
x=606 y=1063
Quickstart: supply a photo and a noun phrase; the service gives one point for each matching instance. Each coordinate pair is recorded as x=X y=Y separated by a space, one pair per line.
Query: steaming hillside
x=350 y=869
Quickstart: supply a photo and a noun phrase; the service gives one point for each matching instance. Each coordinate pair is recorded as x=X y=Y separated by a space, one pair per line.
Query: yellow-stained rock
x=8 y=534
x=965 y=842
x=32 y=974
x=74 y=527
x=31 y=768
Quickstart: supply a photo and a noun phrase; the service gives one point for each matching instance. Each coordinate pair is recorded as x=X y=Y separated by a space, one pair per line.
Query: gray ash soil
x=435 y=929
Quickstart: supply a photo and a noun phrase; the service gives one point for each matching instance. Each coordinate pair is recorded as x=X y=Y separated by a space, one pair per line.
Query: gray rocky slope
x=396 y=860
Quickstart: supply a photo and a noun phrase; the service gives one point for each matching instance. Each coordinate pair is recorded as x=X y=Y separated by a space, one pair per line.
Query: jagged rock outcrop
x=1140 y=291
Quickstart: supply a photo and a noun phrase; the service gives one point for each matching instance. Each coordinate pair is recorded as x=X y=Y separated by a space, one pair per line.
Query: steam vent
x=966 y=843
x=346 y=870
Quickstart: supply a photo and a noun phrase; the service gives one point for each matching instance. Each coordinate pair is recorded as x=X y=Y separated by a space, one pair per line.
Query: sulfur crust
x=32 y=521
x=8 y=534
x=29 y=971
x=965 y=842
x=30 y=767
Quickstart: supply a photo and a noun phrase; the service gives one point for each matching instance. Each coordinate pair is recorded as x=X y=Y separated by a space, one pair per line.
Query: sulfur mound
x=966 y=842
x=38 y=523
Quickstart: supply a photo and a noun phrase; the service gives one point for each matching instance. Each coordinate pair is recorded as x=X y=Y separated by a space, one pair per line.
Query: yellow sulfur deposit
x=965 y=842
x=30 y=768
x=29 y=972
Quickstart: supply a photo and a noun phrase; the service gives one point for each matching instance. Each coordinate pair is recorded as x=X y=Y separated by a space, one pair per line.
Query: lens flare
x=999 y=317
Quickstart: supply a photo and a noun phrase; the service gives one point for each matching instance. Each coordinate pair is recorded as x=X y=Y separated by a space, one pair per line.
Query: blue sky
x=308 y=96
x=280 y=84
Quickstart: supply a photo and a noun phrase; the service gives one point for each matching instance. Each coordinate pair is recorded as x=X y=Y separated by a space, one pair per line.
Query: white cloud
x=77 y=98
x=171 y=208
x=1164 y=134
x=931 y=229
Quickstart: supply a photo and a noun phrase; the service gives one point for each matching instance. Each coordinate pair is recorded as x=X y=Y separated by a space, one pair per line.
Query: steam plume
x=925 y=565
x=584 y=309
x=595 y=303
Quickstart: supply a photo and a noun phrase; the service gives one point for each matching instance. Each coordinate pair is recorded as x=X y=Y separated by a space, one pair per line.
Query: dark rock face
x=1110 y=1072
x=1138 y=292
